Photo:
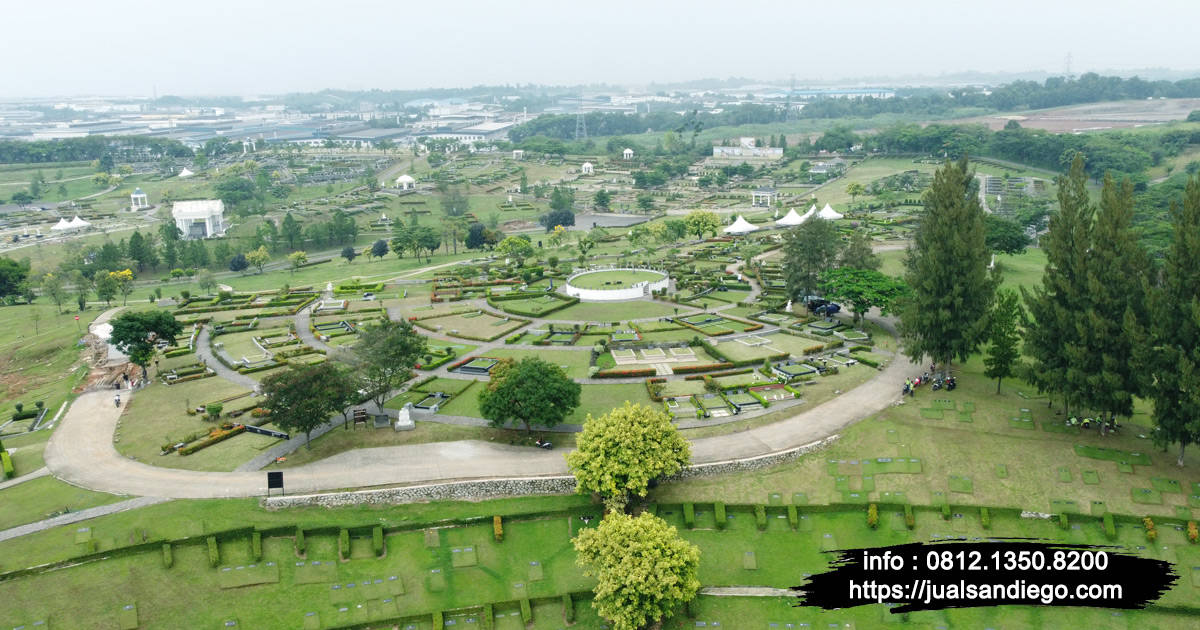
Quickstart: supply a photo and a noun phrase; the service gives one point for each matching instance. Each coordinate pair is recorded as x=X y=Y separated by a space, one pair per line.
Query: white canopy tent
x=62 y=224
x=808 y=215
x=741 y=226
x=829 y=214
x=78 y=223
x=185 y=173
x=790 y=219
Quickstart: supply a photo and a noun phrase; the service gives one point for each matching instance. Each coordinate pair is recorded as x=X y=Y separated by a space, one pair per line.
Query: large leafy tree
x=1117 y=273
x=1054 y=335
x=862 y=289
x=644 y=571
x=1004 y=337
x=12 y=274
x=531 y=392
x=1174 y=355
x=857 y=254
x=258 y=257
x=385 y=356
x=946 y=315
x=622 y=451
x=303 y=397
x=1004 y=236
x=701 y=222
x=291 y=230
x=135 y=334
x=557 y=217
x=515 y=247
x=809 y=250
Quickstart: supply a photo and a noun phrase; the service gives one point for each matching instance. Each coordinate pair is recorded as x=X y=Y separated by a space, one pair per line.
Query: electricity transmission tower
x=580 y=122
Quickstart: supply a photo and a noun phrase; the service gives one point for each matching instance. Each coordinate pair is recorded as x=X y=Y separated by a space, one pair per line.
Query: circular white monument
x=609 y=285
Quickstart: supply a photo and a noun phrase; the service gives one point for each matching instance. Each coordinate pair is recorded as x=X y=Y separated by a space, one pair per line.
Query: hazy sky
x=64 y=47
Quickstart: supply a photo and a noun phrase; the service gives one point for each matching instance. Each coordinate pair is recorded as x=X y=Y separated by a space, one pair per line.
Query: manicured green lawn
x=614 y=279
x=593 y=399
x=481 y=326
x=158 y=415
x=37 y=499
x=612 y=311
x=573 y=362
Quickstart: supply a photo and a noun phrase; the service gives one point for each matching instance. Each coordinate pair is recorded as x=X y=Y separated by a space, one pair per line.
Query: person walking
x=117 y=400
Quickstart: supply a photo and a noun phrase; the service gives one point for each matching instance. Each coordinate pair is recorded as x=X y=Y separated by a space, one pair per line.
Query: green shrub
x=7 y=464
x=1110 y=528
x=487 y=617
x=568 y=608
x=689 y=515
x=344 y=543
x=1062 y=521
x=256 y=546
x=377 y=540
x=910 y=521
x=760 y=516
x=945 y=511
x=439 y=621
x=526 y=612
x=214 y=552
x=985 y=518
x=300 y=546
x=168 y=557
x=498 y=528
x=793 y=517
x=873 y=516
x=719 y=514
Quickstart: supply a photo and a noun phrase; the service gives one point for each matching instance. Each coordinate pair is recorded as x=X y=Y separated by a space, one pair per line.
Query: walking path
x=75 y=517
x=41 y=472
x=204 y=350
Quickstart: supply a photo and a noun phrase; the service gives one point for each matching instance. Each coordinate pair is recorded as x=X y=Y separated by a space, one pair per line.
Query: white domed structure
x=138 y=200
x=406 y=182
x=587 y=168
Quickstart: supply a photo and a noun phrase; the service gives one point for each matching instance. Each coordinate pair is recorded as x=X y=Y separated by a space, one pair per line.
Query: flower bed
x=217 y=435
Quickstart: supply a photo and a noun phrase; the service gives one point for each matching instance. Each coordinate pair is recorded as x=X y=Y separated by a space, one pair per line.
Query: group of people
x=911 y=384
x=1105 y=426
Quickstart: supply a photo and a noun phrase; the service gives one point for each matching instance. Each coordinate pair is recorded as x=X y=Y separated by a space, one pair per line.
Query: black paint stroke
x=1143 y=580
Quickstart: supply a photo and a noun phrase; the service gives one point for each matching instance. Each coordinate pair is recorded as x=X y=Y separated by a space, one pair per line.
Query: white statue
x=788 y=308
x=404 y=421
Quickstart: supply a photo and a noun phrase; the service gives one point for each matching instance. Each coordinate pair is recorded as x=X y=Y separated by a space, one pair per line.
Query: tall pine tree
x=1054 y=335
x=1174 y=357
x=1117 y=271
x=947 y=315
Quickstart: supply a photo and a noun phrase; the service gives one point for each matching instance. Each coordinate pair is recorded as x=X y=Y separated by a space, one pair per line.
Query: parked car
x=368 y=296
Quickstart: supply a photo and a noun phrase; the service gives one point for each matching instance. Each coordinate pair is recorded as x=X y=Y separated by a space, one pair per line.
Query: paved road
x=81 y=452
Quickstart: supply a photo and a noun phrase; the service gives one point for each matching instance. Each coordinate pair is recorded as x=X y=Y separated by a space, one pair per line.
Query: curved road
x=81 y=451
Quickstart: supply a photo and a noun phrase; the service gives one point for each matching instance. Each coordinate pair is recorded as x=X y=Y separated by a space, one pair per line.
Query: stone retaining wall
x=489 y=488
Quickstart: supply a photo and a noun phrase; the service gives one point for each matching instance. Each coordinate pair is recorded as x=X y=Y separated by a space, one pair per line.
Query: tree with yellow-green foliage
x=623 y=451
x=644 y=571
x=701 y=222
x=259 y=257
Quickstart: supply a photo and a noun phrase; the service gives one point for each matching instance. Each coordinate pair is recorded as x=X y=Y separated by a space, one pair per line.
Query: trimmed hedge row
x=214 y=438
x=707 y=367
x=625 y=373
x=6 y=462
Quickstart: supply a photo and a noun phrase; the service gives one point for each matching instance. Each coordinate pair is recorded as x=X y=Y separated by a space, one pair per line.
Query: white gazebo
x=406 y=182
x=184 y=174
x=829 y=214
x=790 y=219
x=627 y=153
x=741 y=226
x=518 y=154
x=138 y=200
x=763 y=197
x=587 y=168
